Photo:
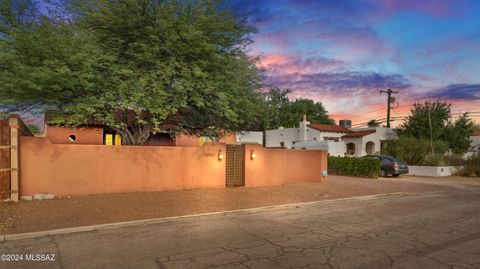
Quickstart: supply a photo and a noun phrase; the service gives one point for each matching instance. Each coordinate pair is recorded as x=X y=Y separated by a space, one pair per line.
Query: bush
x=414 y=151
x=351 y=166
x=435 y=159
x=471 y=167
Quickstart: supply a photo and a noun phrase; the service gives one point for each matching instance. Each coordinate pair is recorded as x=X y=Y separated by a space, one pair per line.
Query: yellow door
x=118 y=140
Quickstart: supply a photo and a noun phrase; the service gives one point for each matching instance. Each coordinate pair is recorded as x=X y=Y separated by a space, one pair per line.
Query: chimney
x=303 y=128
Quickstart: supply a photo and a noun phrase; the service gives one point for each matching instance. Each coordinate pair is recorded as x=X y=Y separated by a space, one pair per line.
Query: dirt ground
x=29 y=216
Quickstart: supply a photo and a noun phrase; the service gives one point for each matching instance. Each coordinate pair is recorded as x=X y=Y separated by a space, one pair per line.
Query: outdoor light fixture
x=252 y=155
x=220 y=155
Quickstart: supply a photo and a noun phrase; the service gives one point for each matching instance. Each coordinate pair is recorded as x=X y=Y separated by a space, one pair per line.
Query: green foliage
x=281 y=112
x=437 y=114
x=412 y=150
x=418 y=123
x=458 y=133
x=136 y=66
x=352 y=166
x=434 y=159
x=470 y=167
x=276 y=104
x=315 y=112
x=373 y=123
x=34 y=128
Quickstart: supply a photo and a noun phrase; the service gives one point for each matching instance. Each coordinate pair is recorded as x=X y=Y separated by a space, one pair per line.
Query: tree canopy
x=434 y=120
x=373 y=123
x=141 y=66
x=281 y=112
x=135 y=66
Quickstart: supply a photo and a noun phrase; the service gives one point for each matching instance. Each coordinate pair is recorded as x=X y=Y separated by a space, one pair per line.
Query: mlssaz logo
x=40 y=257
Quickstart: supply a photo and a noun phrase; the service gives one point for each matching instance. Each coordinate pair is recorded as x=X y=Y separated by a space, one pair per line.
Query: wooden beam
x=6 y=169
x=6 y=147
x=14 y=125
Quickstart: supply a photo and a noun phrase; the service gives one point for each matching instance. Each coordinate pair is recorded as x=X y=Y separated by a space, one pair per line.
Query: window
x=111 y=138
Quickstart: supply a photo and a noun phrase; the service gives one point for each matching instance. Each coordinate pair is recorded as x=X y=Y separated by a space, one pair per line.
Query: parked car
x=390 y=165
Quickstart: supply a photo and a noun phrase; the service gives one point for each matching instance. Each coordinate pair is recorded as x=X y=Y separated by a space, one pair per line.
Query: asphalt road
x=405 y=230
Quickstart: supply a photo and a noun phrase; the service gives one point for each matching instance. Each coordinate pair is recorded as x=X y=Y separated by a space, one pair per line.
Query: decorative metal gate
x=235 y=161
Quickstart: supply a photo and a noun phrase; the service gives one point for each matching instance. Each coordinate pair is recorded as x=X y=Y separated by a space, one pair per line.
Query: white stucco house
x=474 y=145
x=249 y=137
x=339 y=140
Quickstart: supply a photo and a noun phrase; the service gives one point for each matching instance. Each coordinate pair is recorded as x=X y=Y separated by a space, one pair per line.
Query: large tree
x=136 y=66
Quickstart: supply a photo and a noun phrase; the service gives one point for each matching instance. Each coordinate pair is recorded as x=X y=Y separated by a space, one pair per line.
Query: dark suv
x=390 y=165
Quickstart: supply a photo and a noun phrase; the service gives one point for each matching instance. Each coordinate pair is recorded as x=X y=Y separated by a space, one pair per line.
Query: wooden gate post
x=14 y=186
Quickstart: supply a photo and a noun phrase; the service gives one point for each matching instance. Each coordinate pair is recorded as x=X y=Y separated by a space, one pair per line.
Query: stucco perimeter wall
x=432 y=171
x=91 y=169
x=280 y=166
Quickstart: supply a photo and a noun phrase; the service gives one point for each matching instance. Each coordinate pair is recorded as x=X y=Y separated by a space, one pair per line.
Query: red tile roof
x=476 y=133
x=329 y=128
x=359 y=133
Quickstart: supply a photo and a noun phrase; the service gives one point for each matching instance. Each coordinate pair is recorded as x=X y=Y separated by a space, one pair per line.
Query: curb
x=99 y=227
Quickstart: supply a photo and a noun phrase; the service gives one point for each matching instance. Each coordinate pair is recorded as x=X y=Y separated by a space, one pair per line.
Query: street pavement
x=403 y=230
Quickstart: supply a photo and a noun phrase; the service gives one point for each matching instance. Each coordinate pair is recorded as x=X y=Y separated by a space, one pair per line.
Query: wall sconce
x=252 y=155
x=220 y=155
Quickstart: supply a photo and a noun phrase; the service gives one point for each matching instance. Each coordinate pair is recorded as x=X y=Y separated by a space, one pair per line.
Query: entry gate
x=235 y=161
x=4 y=159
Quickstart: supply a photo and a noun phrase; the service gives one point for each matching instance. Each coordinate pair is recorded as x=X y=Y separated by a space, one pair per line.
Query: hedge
x=352 y=166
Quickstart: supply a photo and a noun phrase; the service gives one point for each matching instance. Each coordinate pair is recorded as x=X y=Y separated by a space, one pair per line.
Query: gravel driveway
x=28 y=216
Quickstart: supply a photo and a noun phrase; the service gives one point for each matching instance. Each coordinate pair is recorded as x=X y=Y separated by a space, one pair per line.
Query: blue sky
x=343 y=52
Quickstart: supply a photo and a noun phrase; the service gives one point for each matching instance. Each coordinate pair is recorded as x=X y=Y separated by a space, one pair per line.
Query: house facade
x=339 y=140
x=474 y=145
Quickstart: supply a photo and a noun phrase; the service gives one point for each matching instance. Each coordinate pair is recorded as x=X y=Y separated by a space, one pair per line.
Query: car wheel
x=395 y=175
x=383 y=173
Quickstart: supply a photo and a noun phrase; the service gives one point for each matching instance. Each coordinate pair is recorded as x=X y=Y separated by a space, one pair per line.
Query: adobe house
x=97 y=134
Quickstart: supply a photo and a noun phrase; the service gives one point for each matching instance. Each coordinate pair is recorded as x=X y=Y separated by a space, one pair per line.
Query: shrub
x=434 y=159
x=471 y=167
x=351 y=166
x=414 y=151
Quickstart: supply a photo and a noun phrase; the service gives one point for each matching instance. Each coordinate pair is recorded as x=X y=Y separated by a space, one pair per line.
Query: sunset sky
x=343 y=52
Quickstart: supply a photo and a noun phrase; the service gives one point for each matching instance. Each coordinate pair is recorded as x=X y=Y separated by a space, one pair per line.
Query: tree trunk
x=134 y=136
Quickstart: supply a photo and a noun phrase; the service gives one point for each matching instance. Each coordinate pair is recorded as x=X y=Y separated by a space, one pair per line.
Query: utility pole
x=389 y=101
x=430 y=124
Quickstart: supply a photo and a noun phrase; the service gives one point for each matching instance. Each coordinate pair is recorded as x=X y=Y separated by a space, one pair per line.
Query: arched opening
x=350 y=149
x=370 y=147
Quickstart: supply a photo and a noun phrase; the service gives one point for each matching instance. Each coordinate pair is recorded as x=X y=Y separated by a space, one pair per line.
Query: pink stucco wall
x=94 y=169
x=91 y=169
x=281 y=166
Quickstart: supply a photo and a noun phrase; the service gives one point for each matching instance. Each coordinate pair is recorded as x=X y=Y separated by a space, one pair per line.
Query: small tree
x=432 y=120
x=315 y=111
x=373 y=123
x=423 y=115
x=457 y=133
x=280 y=111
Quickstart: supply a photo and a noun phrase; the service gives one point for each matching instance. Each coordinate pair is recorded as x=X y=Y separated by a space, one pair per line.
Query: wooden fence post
x=14 y=184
